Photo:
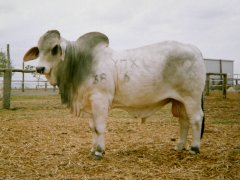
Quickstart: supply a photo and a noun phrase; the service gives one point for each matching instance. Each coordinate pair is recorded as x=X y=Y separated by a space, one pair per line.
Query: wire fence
x=10 y=88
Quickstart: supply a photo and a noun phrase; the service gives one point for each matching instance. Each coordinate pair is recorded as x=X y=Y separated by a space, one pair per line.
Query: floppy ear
x=31 y=54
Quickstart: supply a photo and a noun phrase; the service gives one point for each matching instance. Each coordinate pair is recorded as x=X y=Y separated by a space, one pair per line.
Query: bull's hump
x=92 y=39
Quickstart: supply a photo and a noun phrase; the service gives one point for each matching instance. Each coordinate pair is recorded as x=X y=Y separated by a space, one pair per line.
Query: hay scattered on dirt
x=40 y=139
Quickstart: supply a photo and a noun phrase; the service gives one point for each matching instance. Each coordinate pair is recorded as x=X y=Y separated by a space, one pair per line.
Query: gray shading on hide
x=77 y=65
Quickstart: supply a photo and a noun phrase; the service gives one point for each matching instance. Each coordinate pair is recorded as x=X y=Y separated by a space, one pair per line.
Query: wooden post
x=207 y=84
x=221 y=77
x=7 y=82
x=45 y=86
x=8 y=57
x=225 y=86
x=7 y=88
x=7 y=79
x=23 y=78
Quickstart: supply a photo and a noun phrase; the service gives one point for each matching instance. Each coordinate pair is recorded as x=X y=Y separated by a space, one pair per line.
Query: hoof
x=180 y=147
x=194 y=150
x=97 y=155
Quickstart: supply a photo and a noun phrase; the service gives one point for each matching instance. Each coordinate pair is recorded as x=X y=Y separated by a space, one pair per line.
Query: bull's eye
x=54 y=50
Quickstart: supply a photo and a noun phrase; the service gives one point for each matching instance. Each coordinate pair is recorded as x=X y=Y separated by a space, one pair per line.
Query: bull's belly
x=140 y=104
x=143 y=111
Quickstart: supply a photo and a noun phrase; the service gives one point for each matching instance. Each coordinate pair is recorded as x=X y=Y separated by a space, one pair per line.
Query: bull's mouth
x=51 y=78
x=52 y=81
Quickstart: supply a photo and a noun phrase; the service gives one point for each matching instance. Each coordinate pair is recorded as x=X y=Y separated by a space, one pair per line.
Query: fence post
x=23 y=78
x=225 y=86
x=7 y=88
x=8 y=56
x=207 y=85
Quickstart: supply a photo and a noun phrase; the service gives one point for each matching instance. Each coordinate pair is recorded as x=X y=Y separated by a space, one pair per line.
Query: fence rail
x=17 y=70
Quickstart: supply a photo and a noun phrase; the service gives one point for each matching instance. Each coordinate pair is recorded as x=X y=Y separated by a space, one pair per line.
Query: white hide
x=142 y=81
x=134 y=80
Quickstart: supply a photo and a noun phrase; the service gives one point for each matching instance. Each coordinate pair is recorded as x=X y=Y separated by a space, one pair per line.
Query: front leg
x=98 y=139
x=98 y=125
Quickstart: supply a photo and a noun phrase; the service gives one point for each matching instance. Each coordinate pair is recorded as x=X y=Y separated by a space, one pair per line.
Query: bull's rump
x=146 y=76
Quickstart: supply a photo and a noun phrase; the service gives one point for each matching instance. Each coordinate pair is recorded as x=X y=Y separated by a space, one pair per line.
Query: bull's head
x=50 y=52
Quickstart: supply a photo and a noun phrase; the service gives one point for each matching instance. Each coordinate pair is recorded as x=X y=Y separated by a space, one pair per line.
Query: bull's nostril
x=40 y=69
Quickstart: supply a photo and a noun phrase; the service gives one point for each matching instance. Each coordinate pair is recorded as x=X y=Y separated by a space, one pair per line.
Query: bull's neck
x=65 y=44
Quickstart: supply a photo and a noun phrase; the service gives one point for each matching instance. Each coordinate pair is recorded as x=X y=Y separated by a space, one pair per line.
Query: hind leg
x=195 y=115
x=196 y=122
x=183 y=132
x=178 y=110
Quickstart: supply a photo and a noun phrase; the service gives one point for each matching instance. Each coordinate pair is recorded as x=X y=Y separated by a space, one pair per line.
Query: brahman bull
x=93 y=78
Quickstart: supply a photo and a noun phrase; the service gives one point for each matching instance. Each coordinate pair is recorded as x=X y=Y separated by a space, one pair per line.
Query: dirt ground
x=40 y=139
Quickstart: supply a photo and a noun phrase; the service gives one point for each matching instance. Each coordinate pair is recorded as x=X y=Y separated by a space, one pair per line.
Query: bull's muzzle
x=40 y=69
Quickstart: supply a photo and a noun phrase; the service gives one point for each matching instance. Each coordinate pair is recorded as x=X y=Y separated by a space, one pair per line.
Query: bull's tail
x=203 y=118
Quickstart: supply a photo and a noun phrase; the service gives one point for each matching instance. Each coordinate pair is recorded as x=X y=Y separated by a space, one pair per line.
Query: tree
x=35 y=74
x=3 y=61
x=29 y=67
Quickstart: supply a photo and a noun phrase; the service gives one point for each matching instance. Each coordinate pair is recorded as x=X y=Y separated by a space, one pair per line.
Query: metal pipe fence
x=223 y=83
